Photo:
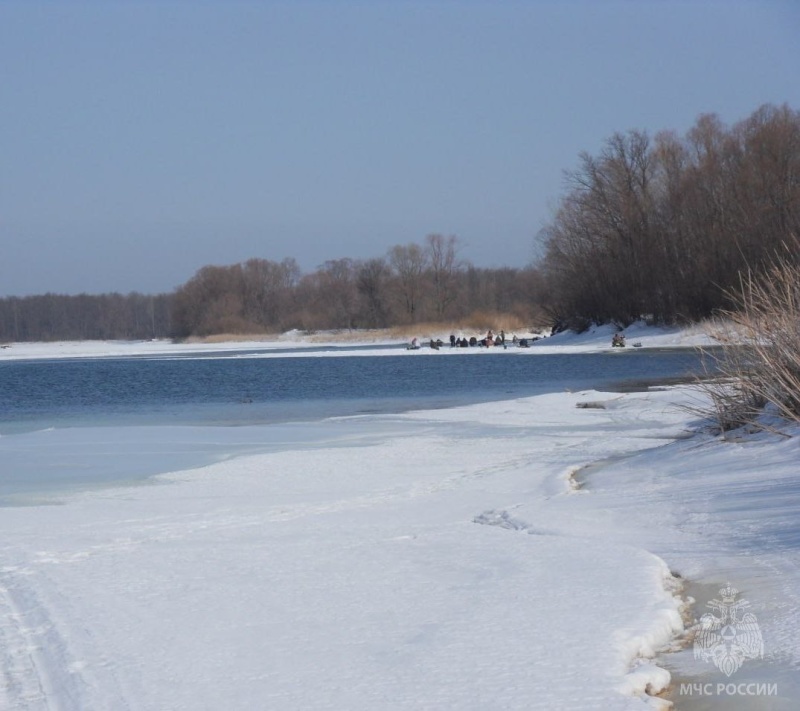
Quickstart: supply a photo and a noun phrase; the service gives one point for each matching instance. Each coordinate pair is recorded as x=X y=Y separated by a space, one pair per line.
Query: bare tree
x=212 y=301
x=445 y=270
x=409 y=263
x=372 y=278
x=268 y=289
x=338 y=294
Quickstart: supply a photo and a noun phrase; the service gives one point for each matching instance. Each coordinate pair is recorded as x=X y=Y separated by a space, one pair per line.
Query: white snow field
x=512 y=555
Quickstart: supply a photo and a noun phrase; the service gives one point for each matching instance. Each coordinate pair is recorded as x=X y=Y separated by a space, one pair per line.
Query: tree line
x=85 y=317
x=413 y=283
x=664 y=228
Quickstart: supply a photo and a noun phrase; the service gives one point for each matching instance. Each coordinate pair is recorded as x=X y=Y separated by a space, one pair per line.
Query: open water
x=68 y=424
x=241 y=388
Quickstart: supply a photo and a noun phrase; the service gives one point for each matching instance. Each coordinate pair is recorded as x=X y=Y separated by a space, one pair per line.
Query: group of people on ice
x=489 y=340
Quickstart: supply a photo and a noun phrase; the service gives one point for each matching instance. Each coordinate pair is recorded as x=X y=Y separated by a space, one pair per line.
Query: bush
x=765 y=368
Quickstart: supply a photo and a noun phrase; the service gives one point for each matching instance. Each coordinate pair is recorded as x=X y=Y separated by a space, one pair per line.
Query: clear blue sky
x=140 y=141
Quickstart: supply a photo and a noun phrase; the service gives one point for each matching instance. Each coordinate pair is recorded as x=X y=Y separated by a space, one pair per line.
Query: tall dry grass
x=477 y=323
x=764 y=369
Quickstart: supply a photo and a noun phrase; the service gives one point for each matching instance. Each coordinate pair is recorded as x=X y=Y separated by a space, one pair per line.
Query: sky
x=141 y=141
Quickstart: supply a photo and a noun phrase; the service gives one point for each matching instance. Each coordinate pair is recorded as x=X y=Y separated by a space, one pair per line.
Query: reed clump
x=764 y=368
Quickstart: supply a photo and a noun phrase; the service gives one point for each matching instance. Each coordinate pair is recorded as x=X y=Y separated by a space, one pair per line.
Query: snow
x=362 y=343
x=636 y=335
x=519 y=554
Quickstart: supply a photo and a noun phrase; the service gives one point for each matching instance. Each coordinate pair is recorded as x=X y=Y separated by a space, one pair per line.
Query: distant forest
x=85 y=317
x=414 y=283
x=663 y=229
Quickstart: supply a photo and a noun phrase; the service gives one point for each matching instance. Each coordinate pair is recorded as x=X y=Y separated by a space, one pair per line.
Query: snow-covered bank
x=637 y=335
x=593 y=340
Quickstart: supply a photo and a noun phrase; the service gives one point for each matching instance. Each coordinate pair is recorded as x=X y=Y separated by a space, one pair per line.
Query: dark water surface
x=230 y=390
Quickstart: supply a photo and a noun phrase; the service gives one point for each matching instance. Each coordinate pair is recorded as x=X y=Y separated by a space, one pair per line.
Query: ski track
x=27 y=639
x=38 y=671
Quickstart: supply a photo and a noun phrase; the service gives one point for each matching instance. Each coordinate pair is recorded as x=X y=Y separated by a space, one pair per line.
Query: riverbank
x=724 y=515
x=366 y=343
